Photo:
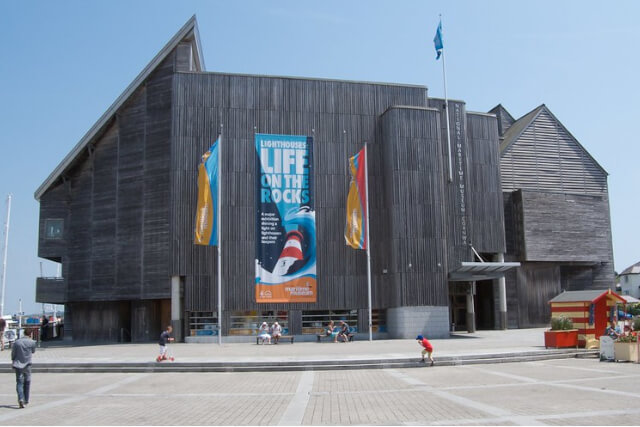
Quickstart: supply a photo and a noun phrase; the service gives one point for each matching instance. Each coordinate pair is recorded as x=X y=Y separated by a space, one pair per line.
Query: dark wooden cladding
x=534 y=300
x=416 y=237
x=505 y=120
x=115 y=203
x=555 y=224
x=513 y=224
x=127 y=193
x=340 y=116
x=547 y=158
x=485 y=196
x=54 y=204
x=457 y=190
x=556 y=216
x=51 y=289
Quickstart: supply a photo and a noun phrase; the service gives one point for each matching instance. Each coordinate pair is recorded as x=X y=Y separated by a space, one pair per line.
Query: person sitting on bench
x=263 y=333
x=276 y=332
x=344 y=332
x=329 y=332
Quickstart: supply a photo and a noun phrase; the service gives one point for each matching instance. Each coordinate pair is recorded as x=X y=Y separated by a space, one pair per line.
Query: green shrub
x=628 y=338
x=636 y=324
x=561 y=323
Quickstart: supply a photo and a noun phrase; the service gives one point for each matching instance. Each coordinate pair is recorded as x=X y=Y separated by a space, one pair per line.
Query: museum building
x=475 y=222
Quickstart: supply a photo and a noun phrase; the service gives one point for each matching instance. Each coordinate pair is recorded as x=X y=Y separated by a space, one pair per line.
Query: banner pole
x=219 y=202
x=366 y=186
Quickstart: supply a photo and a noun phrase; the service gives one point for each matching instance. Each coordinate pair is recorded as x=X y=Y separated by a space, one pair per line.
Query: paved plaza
x=461 y=343
x=576 y=391
x=552 y=392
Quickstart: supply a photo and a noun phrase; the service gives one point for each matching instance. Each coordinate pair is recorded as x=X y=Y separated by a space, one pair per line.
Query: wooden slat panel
x=547 y=158
x=248 y=104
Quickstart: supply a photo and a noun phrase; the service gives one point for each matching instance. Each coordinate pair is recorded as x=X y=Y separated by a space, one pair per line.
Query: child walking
x=428 y=348
x=165 y=338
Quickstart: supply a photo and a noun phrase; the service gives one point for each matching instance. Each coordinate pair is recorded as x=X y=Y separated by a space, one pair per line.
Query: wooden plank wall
x=505 y=120
x=457 y=205
x=414 y=188
x=557 y=213
x=566 y=227
x=533 y=301
x=485 y=195
x=54 y=204
x=115 y=201
x=340 y=116
x=99 y=320
x=547 y=158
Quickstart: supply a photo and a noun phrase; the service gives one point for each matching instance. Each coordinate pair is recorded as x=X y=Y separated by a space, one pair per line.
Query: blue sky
x=64 y=63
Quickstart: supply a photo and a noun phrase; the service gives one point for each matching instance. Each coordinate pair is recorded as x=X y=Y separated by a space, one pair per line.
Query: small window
x=53 y=228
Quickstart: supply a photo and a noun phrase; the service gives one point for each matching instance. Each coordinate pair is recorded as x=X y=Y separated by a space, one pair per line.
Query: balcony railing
x=51 y=290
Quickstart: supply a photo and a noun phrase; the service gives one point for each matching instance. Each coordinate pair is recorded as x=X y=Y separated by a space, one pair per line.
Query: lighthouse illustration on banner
x=291 y=253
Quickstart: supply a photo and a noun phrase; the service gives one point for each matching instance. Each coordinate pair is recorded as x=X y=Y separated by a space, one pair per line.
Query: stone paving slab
x=523 y=394
x=460 y=344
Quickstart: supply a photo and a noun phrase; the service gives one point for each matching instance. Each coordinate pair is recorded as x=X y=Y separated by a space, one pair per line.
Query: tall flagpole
x=366 y=191
x=4 y=256
x=219 y=202
x=446 y=106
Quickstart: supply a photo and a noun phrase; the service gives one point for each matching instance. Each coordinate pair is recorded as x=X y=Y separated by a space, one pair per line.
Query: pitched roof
x=519 y=126
x=583 y=296
x=505 y=119
x=500 y=109
x=516 y=129
x=189 y=33
x=634 y=269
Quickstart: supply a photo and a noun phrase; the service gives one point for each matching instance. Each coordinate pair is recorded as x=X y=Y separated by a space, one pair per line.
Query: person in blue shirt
x=165 y=338
x=344 y=331
x=613 y=330
x=21 y=353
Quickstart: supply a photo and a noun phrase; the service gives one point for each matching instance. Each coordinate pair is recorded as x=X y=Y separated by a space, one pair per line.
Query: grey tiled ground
x=557 y=392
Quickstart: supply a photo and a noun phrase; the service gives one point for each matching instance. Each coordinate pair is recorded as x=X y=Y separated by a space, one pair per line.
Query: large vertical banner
x=286 y=219
x=355 y=233
x=206 y=216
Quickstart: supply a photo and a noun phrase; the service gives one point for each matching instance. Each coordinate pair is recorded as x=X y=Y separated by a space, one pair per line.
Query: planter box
x=561 y=339
x=625 y=351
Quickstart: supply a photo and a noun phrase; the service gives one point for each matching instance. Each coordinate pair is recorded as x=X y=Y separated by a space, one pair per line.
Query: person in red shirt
x=428 y=348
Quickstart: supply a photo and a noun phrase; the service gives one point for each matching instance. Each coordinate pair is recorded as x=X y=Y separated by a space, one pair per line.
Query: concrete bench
x=282 y=337
x=350 y=336
x=320 y=337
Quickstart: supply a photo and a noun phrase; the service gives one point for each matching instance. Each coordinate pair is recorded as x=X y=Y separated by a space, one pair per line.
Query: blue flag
x=437 y=41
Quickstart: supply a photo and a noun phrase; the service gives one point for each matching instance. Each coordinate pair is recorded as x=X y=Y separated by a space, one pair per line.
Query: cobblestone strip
x=29 y=410
x=294 y=413
x=489 y=409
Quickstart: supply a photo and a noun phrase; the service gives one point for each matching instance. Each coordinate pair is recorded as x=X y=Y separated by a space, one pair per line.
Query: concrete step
x=303 y=365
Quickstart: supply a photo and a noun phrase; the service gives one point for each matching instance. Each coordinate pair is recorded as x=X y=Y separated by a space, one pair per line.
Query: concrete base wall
x=298 y=338
x=408 y=322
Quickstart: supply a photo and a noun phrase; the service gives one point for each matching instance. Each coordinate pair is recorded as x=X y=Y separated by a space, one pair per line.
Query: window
x=314 y=322
x=53 y=228
x=203 y=323
x=378 y=321
x=248 y=322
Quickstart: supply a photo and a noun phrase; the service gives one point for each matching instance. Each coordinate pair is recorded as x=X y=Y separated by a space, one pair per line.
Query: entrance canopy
x=475 y=271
